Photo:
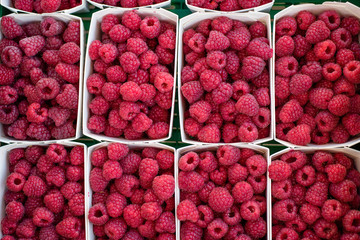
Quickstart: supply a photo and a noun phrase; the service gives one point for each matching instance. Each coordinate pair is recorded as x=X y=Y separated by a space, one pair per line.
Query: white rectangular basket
x=263 y=8
x=95 y=34
x=192 y=21
x=354 y=154
x=83 y=7
x=158 y=5
x=345 y=10
x=213 y=147
x=88 y=192
x=4 y=170
x=28 y=18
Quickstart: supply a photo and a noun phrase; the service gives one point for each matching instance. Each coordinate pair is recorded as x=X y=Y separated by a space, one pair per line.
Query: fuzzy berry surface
x=225 y=81
x=39 y=83
x=222 y=193
x=44 y=193
x=139 y=202
x=314 y=55
x=319 y=191
x=228 y=6
x=133 y=75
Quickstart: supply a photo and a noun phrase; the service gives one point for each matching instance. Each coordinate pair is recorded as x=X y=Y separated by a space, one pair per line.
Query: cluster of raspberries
x=222 y=194
x=133 y=193
x=317 y=72
x=227 y=5
x=225 y=81
x=39 y=78
x=45 y=197
x=129 y=3
x=315 y=196
x=45 y=6
x=132 y=84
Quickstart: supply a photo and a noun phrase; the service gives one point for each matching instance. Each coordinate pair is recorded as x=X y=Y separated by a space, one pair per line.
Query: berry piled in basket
x=317 y=75
x=39 y=80
x=133 y=193
x=129 y=3
x=45 y=6
x=315 y=196
x=45 y=196
x=132 y=83
x=227 y=5
x=225 y=81
x=222 y=194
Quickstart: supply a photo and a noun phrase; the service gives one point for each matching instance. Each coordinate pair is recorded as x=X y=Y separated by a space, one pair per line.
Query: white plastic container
x=95 y=34
x=354 y=154
x=213 y=147
x=192 y=21
x=158 y=5
x=345 y=10
x=83 y=7
x=88 y=192
x=262 y=8
x=4 y=170
x=28 y=18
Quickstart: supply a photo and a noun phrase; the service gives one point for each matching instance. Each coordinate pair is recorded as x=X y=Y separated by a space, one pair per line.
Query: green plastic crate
x=179 y=7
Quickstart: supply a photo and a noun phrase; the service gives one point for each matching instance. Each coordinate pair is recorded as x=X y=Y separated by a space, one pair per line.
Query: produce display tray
x=178 y=7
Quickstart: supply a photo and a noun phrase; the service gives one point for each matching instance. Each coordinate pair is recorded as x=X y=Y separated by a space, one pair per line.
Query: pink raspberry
x=197 y=43
x=344 y=191
x=190 y=181
x=165 y=223
x=252 y=67
x=10 y=28
x=239 y=38
x=220 y=200
x=248 y=132
x=164 y=82
x=167 y=39
x=217 y=228
x=222 y=24
x=127 y=184
x=150 y=27
x=291 y=111
x=256 y=228
x=189 y=161
x=128 y=110
x=299 y=135
x=69 y=73
x=164 y=186
x=15 y=211
x=187 y=211
x=158 y=130
x=242 y=192
x=148 y=170
x=305 y=19
x=119 y=33
x=286 y=26
x=130 y=91
x=284 y=46
x=217 y=41
x=248 y=105
x=259 y=49
x=286 y=66
x=300 y=83
x=129 y=62
x=210 y=80
x=32 y=45
x=325 y=50
x=11 y=56
x=317 y=32
x=209 y=133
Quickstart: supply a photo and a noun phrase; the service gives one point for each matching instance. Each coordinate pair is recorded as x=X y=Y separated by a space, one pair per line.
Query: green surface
x=179 y=7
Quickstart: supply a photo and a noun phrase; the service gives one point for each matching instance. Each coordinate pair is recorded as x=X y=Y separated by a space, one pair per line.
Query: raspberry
x=331 y=18
x=326 y=121
x=248 y=132
x=56 y=152
x=10 y=28
x=67 y=130
x=151 y=211
x=7 y=226
x=69 y=227
x=286 y=26
x=43 y=217
x=349 y=121
x=132 y=215
x=99 y=106
x=165 y=159
x=210 y=80
x=284 y=46
x=98 y=214
x=300 y=83
x=332 y=210
x=222 y=94
x=164 y=82
x=97 y=182
x=343 y=56
x=250 y=210
x=209 y=133
x=285 y=233
x=158 y=130
x=324 y=229
x=291 y=111
x=8 y=95
x=11 y=56
x=351 y=71
x=187 y=211
x=56 y=176
x=351 y=24
x=239 y=38
x=256 y=228
x=299 y=135
x=217 y=41
x=14 y=211
x=127 y=184
x=281 y=190
x=252 y=67
x=222 y=24
x=32 y=45
x=317 y=32
x=189 y=161
x=26 y=228
x=34 y=187
x=190 y=181
x=279 y=170
x=228 y=155
x=164 y=186
x=344 y=191
x=229 y=5
x=325 y=50
x=129 y=62
x=200 y=111
x=305 y=176
x=69 y=73
x=256 y=165
x=147 y=229
x=284 y=210
x=305 y=19
x=286 y=66
x=350 y=219
x=336 y=172
x=8 y=114
x=167 y=39
x=341 y=37
x=165 y=223
x=117 y=151
x=248 y=105
x=217 y=228
x=232 y=216
x=260 y=49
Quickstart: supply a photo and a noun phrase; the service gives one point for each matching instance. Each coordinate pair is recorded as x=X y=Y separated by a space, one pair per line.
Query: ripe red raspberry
x=98 y=214
x=217 y=41
x=43 y=217
x=321 y=226
x=129 y=62
x=8 y=95
x=210 y=80
x=158 y=130
x=286 y=66
x=260 y=49
x=299 y=135
x=69 y=73
x=8 y=114
x=250 y=210
x=209 y=133
x=190 y=181
x=239 y=38
x=222 y=94
x=7 y=226
x=34 y=187
x=248 y=132
x=341 y=37
x=291 y=111
x=165 y=159
x=26 y=228
x=248 y=105
x=164 y=186
x=97 y=181
x=325 y=50
x=284 y=210
x=305 y=19
x=148 y=169
x=108 y=22
x=132 y=215
x=10 y=28
x=331 y=18
x=217 y=228
x=350 y=219
x=167 y=39
x=300 y=83
x=252 y=67
x=279 y=170
x=281 y=190
x=11 y=56
x=317 y=32
x=50 y=6
x=344 y=191
x=286 y=26
x=164 y=82
x=189 y=161
x=190 y=230
x=187 y=211
x=351 y=71
x=351 y=24
x=220 y=200
x=32 y=45
x=305 y=176
x=56 y=176
x=14 y=211
x=119 y=33
x=200 y=111
x=287 y=233
x=256 y=228
x=228 y=155
x=284 y=46
x=127 y=184
x=165 y=223
x=242 y=192
x=69 y=227
x=256 y=165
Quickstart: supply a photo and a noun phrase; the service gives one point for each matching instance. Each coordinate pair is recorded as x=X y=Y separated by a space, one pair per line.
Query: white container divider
x=88 y=192
x=262 y=8
x=192 y=21
x=345 y=10
x=157 y=5
x=82 y=8
x=28 y=18
x=95 y=34
x=4 y=170
x=354 y=154
x=213 y=147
